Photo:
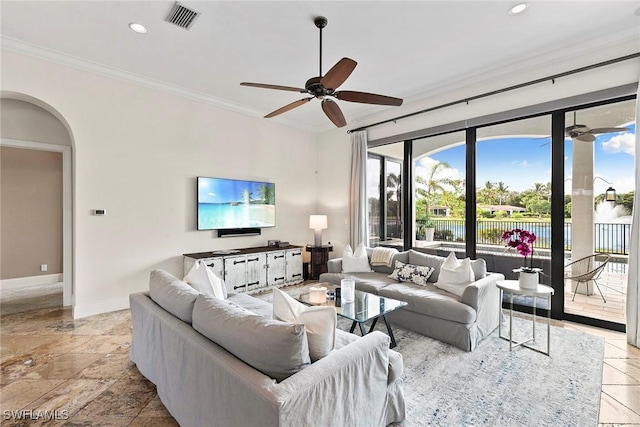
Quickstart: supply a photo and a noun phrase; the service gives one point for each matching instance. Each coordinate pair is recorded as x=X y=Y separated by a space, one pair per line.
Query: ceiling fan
x=585 y=134
x=324 y=87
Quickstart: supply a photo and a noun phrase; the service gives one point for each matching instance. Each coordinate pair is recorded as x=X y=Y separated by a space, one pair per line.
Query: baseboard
x=21 y=282
x=80 y=311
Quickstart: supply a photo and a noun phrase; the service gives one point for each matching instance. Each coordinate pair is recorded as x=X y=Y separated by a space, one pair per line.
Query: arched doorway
x=29 y=124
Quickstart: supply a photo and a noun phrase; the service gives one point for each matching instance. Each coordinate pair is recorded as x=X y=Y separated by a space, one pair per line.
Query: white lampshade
x=318 y=222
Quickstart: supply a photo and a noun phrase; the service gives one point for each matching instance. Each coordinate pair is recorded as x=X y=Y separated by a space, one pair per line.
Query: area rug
x=492 y=386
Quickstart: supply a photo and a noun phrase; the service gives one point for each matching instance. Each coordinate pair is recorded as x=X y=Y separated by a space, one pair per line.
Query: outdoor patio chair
x=585 y=270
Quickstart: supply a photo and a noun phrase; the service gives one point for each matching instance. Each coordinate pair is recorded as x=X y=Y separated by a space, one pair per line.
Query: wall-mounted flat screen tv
x=231 y=203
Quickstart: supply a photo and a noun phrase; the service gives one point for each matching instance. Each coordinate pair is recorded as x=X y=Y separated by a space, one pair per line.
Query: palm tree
x=433 y=183
x=501 y=192
x=267 y=194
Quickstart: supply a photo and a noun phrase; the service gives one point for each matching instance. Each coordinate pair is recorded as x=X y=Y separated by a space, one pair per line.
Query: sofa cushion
x=203 y=280
x=431 y=301
x=433 y=261
x=417 y=274
x=320 y=322
x=255 y=305
x=277 y=349
x=400 y=256
x=355 y=262
x=368 y=282
x=172 y=294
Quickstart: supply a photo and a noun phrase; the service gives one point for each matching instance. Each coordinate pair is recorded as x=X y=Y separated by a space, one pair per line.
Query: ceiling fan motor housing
x=315 y=88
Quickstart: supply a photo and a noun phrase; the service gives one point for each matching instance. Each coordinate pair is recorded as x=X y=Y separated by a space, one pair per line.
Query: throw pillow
x=355 y=262
x=411 y=273
x=203 y=280
x=455 y=275
x=320 y=322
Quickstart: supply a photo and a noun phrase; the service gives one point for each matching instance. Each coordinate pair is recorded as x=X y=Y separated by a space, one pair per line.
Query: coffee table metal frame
x=512 y=287
x=385 y=305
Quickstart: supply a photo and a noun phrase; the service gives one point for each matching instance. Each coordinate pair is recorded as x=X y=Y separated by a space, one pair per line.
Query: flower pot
x=429 y=232
x=528 y=280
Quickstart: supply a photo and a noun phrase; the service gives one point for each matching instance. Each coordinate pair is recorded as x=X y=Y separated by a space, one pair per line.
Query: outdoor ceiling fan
x=585 y=134
x=324 y=88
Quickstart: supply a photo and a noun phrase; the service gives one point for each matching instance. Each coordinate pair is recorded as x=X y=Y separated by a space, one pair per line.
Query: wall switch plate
x=43 y=267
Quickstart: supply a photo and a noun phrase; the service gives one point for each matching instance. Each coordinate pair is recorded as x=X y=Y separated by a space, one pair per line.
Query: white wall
x=136 y=154
x=333 y=191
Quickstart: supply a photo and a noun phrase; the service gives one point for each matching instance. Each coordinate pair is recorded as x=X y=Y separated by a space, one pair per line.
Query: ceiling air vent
x=182 y=16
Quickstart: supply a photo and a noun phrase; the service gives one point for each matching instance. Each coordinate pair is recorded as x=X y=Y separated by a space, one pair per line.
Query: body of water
x=213 y=216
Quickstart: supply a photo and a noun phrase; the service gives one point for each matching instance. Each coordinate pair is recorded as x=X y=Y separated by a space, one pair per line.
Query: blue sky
x=522 y=161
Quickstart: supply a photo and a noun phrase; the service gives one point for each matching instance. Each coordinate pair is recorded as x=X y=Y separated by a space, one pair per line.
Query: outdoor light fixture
x=318 y=223
x=610 y=195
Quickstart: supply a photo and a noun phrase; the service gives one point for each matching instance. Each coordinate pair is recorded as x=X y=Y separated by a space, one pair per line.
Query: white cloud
x=625 y=143
x=522 y=163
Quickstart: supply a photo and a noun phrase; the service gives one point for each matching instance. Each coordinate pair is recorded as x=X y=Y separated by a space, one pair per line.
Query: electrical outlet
x=43 y=267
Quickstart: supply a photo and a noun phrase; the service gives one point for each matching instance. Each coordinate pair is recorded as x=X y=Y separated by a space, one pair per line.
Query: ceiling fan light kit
x=324 y=88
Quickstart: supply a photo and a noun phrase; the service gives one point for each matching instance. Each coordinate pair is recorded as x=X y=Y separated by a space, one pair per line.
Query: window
x=439 y=165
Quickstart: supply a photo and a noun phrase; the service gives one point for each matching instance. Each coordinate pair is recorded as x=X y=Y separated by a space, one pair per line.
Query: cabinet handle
x=296 y=275
x=238 y=287
x=210 y=265
x=278 y=256
x=296 y=254
x=253 y=283
x=239 y=262
x=251 y=260
x=278 y=278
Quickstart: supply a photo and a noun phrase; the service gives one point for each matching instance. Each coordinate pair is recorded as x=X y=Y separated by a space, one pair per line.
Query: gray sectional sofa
x=462 y=321
x=205 y=382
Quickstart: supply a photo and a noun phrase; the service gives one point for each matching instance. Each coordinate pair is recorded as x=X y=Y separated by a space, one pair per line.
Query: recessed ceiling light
x=138 y=28
x=518 y=8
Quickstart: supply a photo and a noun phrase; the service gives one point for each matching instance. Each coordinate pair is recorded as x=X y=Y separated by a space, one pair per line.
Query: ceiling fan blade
x=338 y=73
x=288 y=107
x=334 y=113
x=276 y=87
x=585 y=137
x=367 y=98
x=608 y=130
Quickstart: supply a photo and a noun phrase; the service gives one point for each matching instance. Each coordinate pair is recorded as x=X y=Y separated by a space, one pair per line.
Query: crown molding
x=81 y=64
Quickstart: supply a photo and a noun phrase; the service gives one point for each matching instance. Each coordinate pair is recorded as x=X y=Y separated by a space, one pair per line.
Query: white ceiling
x=403 y=49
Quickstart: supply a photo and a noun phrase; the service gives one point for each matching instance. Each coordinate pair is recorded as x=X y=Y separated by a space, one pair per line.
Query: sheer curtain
x=633 y=287
x=358 y=227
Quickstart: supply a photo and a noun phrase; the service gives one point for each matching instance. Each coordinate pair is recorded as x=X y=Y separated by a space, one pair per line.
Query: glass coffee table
x=365 y=307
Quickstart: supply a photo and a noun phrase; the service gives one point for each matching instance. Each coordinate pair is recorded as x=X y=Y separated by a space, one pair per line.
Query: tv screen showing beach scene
x=231 y=203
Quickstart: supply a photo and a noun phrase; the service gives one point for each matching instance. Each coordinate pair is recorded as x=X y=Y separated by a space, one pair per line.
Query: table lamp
x=318 y=223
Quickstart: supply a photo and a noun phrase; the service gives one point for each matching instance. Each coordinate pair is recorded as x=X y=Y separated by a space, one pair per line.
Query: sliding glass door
x=599 y=192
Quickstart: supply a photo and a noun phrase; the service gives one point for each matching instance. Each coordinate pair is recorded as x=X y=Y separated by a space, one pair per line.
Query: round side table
x=512 y=287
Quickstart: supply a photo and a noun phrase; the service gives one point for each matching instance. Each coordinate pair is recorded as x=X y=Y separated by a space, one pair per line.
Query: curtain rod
x=506 y=89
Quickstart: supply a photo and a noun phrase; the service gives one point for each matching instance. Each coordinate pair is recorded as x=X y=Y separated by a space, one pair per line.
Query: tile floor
x=81 y=368
x=613 y=284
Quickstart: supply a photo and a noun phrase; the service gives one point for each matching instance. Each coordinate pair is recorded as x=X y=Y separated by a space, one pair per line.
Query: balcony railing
x=609 y=238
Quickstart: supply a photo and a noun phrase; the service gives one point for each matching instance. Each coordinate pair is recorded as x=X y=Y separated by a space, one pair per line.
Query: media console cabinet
x=250 y=269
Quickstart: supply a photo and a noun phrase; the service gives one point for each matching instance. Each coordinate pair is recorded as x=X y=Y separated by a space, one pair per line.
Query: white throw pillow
x=355 y=262
x=455 y=275
x=203 y=280
x=320 y=322
x=417 y=274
